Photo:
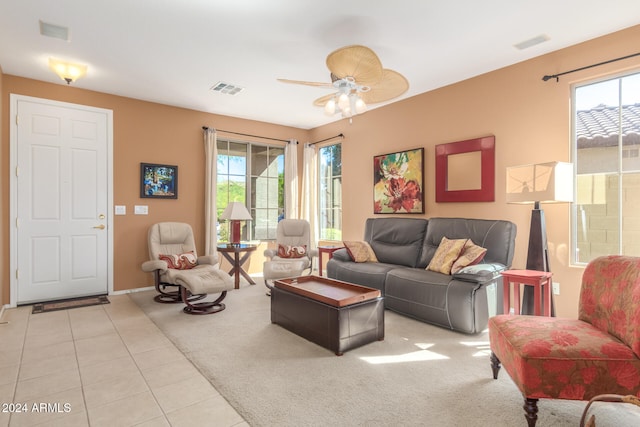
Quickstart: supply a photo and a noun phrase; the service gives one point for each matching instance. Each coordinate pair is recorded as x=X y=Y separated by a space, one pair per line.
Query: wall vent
x=227 y=88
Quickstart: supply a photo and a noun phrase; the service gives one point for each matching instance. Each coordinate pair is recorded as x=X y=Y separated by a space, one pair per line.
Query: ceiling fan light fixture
x=330 y=107
x=343 y=101
x=359 y=105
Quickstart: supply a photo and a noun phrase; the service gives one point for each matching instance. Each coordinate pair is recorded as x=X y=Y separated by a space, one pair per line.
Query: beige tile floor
x=105 y=365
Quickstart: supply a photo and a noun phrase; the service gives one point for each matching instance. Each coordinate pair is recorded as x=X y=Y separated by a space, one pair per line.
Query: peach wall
x=529 y=118
x=143 y=132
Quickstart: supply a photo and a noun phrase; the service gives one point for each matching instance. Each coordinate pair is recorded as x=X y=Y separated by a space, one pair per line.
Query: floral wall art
x=398 y=182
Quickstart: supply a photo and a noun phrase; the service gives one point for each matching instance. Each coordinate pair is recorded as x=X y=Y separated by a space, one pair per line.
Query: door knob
x=100 y=227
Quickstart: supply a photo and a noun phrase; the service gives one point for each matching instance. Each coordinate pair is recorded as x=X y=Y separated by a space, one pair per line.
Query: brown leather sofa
x=404 y=247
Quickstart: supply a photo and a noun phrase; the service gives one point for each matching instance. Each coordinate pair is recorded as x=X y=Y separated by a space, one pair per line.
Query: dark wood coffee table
x=333 y=314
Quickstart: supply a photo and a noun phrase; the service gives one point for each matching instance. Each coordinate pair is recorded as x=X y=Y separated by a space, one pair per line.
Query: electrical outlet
x=556 y=288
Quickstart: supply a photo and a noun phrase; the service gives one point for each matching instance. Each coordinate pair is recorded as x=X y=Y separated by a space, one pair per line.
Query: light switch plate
x=141 y=210
x=120 y=210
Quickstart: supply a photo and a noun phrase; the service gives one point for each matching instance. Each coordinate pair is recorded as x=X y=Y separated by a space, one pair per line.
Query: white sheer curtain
x=210 y=191
x=291 y=179
x=309 y=201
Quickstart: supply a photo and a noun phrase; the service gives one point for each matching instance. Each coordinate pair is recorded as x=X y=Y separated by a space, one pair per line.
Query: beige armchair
x=174 y=262
x=293 y=253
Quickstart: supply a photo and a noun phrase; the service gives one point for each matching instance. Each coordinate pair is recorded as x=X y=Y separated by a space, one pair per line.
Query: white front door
x=62 y=199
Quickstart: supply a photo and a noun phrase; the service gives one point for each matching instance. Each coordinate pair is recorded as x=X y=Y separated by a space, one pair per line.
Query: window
x=254 y=175
x=330 y=192
x=606 y=143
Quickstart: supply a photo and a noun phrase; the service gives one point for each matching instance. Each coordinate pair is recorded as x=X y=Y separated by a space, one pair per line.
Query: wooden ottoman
x=333 y=314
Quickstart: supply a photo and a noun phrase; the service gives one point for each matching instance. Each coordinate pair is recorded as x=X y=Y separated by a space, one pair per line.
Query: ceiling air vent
x=55 y=31
x=227 y=88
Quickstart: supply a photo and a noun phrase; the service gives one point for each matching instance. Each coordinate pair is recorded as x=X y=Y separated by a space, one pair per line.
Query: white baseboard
x=130 y=291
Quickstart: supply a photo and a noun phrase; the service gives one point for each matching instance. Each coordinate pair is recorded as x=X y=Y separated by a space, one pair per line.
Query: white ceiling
x=174 y=51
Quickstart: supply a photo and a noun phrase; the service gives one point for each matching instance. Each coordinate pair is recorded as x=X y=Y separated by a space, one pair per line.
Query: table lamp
x=235 y=212
x=550 y=182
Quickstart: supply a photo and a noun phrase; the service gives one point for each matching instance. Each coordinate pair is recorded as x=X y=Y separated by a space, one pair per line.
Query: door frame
x=13 y=183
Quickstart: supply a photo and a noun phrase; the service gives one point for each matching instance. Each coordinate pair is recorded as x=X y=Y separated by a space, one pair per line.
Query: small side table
x=236 y=261
x=329 y=250
x=540 y=280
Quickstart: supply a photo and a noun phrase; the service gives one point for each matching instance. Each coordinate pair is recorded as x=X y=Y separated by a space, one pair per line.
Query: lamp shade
x=236 y=211
x=550 y=182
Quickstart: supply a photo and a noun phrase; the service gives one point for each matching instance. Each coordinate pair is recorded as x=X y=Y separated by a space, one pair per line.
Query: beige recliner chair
x=293 y=253
x=175 y=264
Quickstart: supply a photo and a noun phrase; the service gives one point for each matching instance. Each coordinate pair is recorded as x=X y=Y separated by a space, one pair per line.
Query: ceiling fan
x=358 y=76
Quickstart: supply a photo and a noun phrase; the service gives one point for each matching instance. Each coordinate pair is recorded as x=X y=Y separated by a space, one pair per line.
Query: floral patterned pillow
x=360 y=251
x=447 y=253
x=471 y=254
x=185 y=261
x=287 y=251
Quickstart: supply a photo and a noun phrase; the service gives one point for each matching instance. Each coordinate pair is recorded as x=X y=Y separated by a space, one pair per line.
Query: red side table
x=540 y=280
x=326 y=250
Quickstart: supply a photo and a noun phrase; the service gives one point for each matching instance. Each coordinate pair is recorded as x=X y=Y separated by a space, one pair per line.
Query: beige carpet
x=420 y=375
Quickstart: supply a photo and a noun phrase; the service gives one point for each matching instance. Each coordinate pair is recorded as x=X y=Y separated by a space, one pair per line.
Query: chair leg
x=205 y=307
x=495 y=365
x=531 y=411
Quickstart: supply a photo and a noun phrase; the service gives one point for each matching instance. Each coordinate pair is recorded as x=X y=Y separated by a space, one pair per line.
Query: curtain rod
x=340 y=135
x=246 y=134
x=557 y=76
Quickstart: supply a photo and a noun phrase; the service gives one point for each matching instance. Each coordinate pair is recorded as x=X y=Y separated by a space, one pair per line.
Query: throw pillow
x=360 y=251
x=447 y=253
x=287 y=251
x=471 y=254
x=184 y=261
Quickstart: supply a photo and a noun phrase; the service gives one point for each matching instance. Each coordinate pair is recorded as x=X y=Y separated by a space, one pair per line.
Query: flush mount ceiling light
x=67 y=71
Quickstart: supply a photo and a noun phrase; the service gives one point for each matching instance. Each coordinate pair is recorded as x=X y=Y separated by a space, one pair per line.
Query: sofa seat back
x=396 y=240
x=497 y=236
x=610 y=298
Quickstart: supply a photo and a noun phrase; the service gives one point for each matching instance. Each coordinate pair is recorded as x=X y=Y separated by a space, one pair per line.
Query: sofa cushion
x=471 y=254
x=447 y=253
x=497 y=236
x=396 y=240
x=360 y=251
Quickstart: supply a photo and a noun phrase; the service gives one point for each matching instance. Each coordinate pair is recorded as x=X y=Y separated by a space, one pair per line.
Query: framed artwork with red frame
x=465 y=170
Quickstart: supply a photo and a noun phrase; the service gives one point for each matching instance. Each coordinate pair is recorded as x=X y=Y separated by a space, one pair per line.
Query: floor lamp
x=235 y=212
x=539 y=183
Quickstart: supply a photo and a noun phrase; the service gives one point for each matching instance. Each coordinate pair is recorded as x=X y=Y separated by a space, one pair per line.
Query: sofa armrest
x=342 y=255
x=480 y=273
x=153 y=265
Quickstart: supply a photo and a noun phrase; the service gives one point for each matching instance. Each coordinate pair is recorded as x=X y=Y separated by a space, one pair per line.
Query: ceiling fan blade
x=358 y=62
x=323 y=100
x=301 y=82
x=392 y=85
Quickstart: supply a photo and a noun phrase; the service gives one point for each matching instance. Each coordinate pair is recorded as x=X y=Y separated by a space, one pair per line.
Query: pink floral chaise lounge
x=577 y=359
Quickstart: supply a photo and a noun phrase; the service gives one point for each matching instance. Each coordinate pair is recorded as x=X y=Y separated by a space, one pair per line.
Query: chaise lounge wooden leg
x=171 y=297
x=205 y=307
x=531 y=411
x=495 y=365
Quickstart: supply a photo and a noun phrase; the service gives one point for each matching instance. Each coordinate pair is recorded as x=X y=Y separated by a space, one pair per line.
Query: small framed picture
x=158 y=181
